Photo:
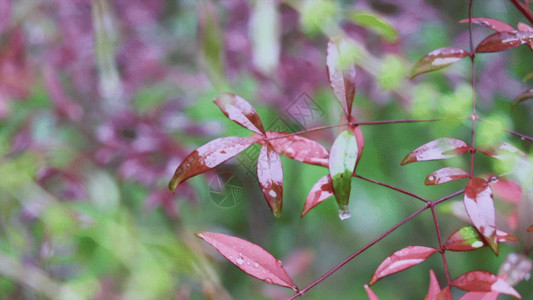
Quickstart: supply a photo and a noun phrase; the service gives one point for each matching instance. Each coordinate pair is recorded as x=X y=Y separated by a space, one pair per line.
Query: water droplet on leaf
x=268 y=280
x=239 y=260
x=344 y=213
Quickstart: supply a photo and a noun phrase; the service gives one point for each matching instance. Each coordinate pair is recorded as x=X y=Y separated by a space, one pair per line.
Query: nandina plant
x=345 y=153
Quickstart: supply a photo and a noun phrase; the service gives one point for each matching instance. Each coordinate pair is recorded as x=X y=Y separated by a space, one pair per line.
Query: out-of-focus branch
x=524 y=9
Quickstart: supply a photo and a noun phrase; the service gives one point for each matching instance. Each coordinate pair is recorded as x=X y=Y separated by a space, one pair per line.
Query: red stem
x=524 y=9
x=355 y=254
x=394 y=188
x=474 y=113
x=441 y=245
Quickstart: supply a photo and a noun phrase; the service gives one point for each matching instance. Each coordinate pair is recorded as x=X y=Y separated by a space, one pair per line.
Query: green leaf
x=374 y=23
x=342 y=159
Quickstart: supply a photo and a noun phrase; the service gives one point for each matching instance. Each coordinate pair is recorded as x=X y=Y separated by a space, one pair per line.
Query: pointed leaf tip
x=479 y=206
x=208 y=156
x=437 y=149
x=434 y=287
x=321 y=191
x=240 y=111
x=483 y=281
x=250 y=258
x=270 y=176
x=370 y=293
x=438 y=59
x=401 y=260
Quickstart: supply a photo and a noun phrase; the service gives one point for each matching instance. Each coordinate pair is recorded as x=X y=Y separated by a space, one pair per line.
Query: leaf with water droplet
x=524 y=27
x=446 y=175
x=467 y=238
x=209 y=156
x=370 y=293
x=401 y=260
x=344 y=213
x=299 y=148
x=490 y=23
x=321 y=191
x=437 y=149
x=479 y=206
x=270 y=176
x=249 y=257
x=483 y=281
x=240 y=111
x=438 y=59
x=504 y=40
x=342 y=160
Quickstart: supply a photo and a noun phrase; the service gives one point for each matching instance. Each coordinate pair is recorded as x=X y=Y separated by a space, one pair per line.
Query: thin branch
x=474 y=113
x=394 y=188
x=355 y=254
x=441 y=245
x=524 y=9
x=520 y=135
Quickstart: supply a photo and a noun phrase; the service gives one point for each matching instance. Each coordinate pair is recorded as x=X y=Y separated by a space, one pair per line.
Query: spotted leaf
x=445 y=175
x=438 y=59
x=437 y=149
x=240 y=111
x=483 y=281
x=270 y=176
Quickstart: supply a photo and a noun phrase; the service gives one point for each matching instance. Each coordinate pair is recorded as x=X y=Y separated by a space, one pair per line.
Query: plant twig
x=524 y=9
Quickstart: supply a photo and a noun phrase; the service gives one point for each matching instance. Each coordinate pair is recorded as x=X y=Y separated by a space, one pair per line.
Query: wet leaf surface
x=483 y=281
x=437 y=149
x=270 y=176
x=438 y=59
x=446 y=175
x=240 y=111
x=479 y=206
x=299 y=148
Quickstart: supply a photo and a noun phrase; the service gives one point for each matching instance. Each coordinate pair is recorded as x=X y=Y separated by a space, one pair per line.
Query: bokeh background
x=100 y=101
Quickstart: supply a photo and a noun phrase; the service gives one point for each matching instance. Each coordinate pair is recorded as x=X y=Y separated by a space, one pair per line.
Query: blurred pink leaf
x=515 y=268
x=507 y=190
x=401 y=260
x=502 y=151
x=270 y=176
x=504 y=40
x=527 y=94
x=524 y=27
x=467 y=238
x=322 y=190
x=252 y=259
x=240 y=111
x=438 y=59
x=493 y=24
x=370 y=293
x=445 y=175
x=530 y=228
x=209 y=156
x=445 y=294
x=479 y=206
x=299 y=148
x=437 y=149
x=341 y=77
x=342 y=160
x=483 y=281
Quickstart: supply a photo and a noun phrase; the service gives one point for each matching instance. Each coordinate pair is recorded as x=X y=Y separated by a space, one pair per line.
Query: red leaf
x=515 y=268
x=483 y=281
x=504 y=40
x=445 y=294
x=209 y=156
x=493 y=24
x=370 y=293
x=342 y=160
x=341 y=75
x=322 y=190
x=401 y=260
x=434 y=287
x=445 y=175
x=479 y=206
x=240 y=111
x=528 y=94
x=480 y=296
x=270 y=175
x=438 y=59
x=468 y=238
x=252 y=259
x=299 y=148
x=530 y=228
x=438 y=149
x=507 y=190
